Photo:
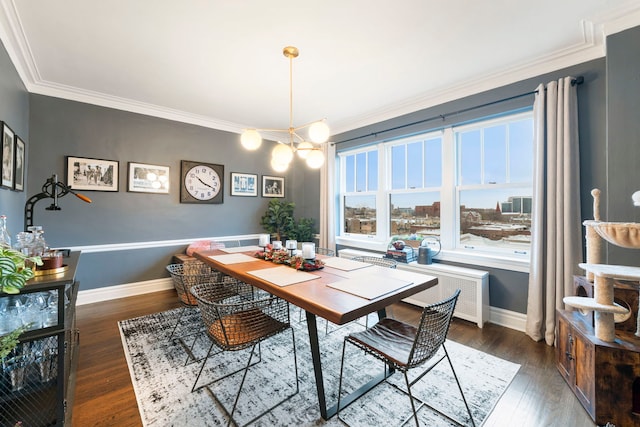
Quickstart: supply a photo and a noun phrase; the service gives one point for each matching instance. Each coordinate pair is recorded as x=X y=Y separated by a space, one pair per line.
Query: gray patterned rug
x=162 y=382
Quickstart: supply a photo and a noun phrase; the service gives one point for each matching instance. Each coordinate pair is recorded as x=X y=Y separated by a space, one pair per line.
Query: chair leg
x=413 y=406
x=244 y=376
x=459 y=386
x=204 y=362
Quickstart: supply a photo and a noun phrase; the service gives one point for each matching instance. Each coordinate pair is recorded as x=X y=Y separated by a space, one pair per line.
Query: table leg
x=325 y=412
x=317 y=364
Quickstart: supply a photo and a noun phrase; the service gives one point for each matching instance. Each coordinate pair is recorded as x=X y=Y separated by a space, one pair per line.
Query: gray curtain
x=556 y=233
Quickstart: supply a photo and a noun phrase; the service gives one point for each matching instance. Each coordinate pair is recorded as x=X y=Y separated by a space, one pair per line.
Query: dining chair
x=382 y=262
x=403 y=347
x=187 y=275
x=241 y=322
x=325 y=251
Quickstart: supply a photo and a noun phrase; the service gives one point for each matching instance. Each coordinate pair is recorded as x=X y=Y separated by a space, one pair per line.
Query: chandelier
x=282 y=154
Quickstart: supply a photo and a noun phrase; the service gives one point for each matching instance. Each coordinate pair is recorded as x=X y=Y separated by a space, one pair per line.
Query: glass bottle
x=5 y=237
x=39 y=245
x=24 y=241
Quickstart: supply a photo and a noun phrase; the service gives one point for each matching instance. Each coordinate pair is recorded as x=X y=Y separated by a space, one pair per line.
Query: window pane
x=414 y=165
x=372 y=167
x=469 y=152
x=521 y=151
x=350 y=173
x=360 y=214
x=499 y=218
x=415 y=214
x=398 y=167
x=433 y=162
x=361 y=172
x=495 y=155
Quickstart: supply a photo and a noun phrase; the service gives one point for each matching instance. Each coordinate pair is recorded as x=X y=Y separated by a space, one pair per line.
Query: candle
x=308 y=250
x=277 y=245
x=263 y=240
x=291 y=244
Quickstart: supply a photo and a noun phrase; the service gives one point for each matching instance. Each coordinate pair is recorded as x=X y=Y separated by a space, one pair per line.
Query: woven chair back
x=433 y=330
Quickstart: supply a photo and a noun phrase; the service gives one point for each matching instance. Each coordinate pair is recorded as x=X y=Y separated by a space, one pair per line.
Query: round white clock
x=202 y=182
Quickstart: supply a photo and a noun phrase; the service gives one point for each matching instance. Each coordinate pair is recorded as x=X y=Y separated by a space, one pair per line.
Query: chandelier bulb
x=315 y=159
x=303 y=149
x=251 y=139
x=282 y=153
x=319 y=132
x=278 y=166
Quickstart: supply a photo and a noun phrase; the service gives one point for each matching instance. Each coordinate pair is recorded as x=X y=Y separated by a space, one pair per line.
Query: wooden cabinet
x=37 y=379
x=604 y=376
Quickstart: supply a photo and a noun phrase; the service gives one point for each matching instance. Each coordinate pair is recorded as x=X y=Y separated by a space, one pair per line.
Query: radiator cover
x=473 y=303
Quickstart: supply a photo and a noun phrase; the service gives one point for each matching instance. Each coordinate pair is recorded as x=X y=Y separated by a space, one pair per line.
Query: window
x=360 y=185
x=469 y=185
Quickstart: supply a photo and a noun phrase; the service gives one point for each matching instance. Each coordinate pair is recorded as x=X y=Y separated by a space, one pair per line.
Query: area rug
x=162 y=382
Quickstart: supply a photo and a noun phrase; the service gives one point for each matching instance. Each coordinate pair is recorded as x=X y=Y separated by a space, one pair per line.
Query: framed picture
x=144 y=178
x=272 y=186
x=244 y=184
x=92 y=174
x=8 y=159
x=18 y=181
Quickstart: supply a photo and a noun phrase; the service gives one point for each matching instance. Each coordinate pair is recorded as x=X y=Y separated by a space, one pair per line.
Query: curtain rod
x=577 y=81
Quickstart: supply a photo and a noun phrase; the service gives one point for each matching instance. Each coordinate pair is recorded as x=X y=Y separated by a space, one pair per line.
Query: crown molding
x=590 y=47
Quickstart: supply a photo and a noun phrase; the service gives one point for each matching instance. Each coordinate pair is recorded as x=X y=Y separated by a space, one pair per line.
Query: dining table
x=340 y=292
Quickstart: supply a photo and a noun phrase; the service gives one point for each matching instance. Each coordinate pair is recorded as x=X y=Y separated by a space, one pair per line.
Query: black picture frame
x=244 y=184
x=147 y=178
x=272 y=186
x=8 y=157
x=18 y=164
x=201 y=182
x=88 y=174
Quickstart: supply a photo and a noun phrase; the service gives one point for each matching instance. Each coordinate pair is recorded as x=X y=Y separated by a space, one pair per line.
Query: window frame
x=452 y=250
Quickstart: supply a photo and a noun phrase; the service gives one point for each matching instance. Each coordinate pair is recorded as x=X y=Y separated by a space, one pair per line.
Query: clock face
x=201 y=182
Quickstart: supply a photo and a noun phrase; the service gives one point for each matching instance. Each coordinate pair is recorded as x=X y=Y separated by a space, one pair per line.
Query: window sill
x=481 y=260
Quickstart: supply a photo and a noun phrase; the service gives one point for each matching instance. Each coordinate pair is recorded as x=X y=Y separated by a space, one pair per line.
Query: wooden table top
x=315 y=296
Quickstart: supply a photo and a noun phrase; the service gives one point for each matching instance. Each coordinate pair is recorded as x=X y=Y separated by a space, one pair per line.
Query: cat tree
x=626 y=235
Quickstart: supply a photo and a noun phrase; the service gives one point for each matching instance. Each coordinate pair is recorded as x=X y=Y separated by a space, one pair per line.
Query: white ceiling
x=219 y=63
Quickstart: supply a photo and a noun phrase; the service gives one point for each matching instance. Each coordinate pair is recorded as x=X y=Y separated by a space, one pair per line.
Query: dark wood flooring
x=104 y=396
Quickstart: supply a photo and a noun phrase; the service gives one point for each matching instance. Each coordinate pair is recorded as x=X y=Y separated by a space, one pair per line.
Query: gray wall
x=14 y=110
x=622 y=158
x=508 y=289
x=62 y=128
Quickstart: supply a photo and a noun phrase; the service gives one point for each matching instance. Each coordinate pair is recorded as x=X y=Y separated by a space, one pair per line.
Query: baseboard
x=498 y=316
x=121 y=291
x=508 y=319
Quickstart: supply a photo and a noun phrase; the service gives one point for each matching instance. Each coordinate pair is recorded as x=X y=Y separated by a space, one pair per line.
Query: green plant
x=303 y=230
x=278 y=218
x=15 y=270
x=10 y=341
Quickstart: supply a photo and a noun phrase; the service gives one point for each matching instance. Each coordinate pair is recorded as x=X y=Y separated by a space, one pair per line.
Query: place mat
x=233 y=258
x=369 y=286
x=238 y=249
x=283 y=275
x=344 y=264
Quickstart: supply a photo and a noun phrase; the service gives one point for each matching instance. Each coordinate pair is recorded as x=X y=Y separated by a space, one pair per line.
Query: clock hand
x=208 y=185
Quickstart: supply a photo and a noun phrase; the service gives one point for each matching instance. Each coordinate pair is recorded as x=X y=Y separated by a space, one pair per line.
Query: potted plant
x=16 y=269
x=278 y=218
x=303 y=230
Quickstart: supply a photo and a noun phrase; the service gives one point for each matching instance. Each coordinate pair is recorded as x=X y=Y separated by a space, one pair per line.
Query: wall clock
x=201 y=182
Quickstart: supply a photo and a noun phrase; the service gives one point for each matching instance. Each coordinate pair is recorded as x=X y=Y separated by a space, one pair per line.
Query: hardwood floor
x=104 y=396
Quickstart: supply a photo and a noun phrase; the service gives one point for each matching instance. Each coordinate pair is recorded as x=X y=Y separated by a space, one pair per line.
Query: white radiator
x=473 y=303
